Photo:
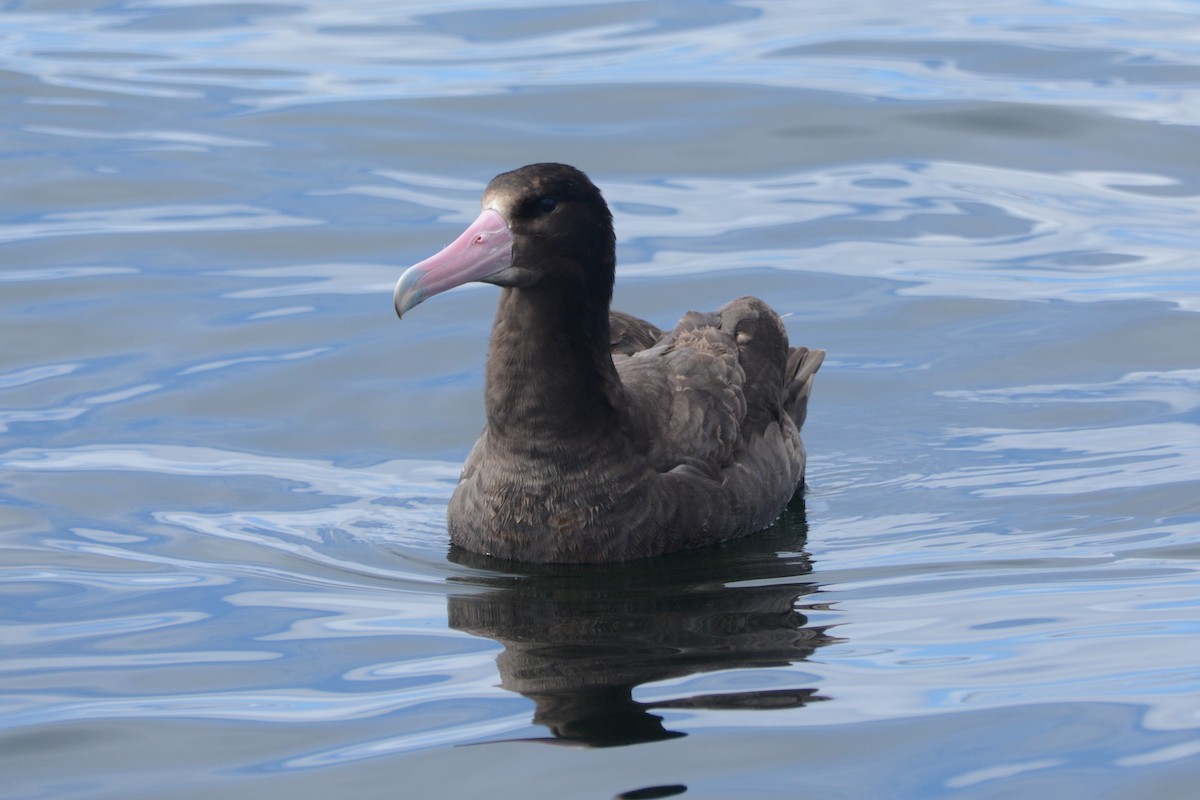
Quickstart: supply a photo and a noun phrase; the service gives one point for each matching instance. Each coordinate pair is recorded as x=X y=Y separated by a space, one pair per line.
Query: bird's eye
x=546 y=203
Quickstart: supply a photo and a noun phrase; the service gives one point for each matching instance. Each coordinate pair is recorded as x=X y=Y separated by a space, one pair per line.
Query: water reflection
x=579 y=640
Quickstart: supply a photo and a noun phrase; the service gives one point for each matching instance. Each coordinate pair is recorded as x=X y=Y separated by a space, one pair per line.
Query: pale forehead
x=501 y=202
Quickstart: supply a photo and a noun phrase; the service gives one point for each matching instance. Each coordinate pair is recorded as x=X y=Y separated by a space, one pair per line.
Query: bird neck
x=550 y=374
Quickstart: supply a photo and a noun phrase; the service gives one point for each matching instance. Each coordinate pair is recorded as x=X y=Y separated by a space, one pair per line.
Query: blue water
x=224 y=464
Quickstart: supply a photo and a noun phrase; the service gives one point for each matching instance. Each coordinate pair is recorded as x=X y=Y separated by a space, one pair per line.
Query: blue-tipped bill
x=483 y=249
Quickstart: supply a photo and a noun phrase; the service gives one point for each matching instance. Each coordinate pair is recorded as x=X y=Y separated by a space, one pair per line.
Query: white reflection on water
x=233 y=362
x=350 y=614
x=357 y=501
x=109 y=626
x=299 y=54
x=1178 y=390
x=1075 y=460
x=283 y=705
x=396 y=479
x=186 y=140
x=21 y=377
x=1068 y=461
x=456 y=726
x=77 y=663
x=149 y=219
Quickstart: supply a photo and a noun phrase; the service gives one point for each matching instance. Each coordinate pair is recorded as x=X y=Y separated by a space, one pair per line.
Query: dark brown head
x=542 y=226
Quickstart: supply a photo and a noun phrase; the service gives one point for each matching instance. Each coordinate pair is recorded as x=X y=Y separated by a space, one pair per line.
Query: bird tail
x=802 y=365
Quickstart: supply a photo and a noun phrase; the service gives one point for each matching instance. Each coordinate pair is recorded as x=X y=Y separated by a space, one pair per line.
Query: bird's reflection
x=578 y=640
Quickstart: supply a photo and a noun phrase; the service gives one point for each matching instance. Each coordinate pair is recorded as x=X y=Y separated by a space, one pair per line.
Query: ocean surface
x=224 y=463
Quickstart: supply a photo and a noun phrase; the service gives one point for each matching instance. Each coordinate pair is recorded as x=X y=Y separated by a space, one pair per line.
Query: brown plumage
x=606 y=438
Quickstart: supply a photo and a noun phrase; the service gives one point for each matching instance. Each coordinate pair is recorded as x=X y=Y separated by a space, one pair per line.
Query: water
x=224 y=464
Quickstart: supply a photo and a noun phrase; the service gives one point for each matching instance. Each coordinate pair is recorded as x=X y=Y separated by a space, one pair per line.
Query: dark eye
x=546 y=204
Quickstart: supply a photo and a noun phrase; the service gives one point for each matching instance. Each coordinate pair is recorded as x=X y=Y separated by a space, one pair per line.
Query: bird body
x=607 y=439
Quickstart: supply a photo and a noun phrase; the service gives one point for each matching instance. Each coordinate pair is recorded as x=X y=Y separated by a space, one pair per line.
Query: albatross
x=608 y=439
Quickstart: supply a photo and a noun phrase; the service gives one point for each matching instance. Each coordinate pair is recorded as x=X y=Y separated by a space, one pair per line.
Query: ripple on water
x=221 y=569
